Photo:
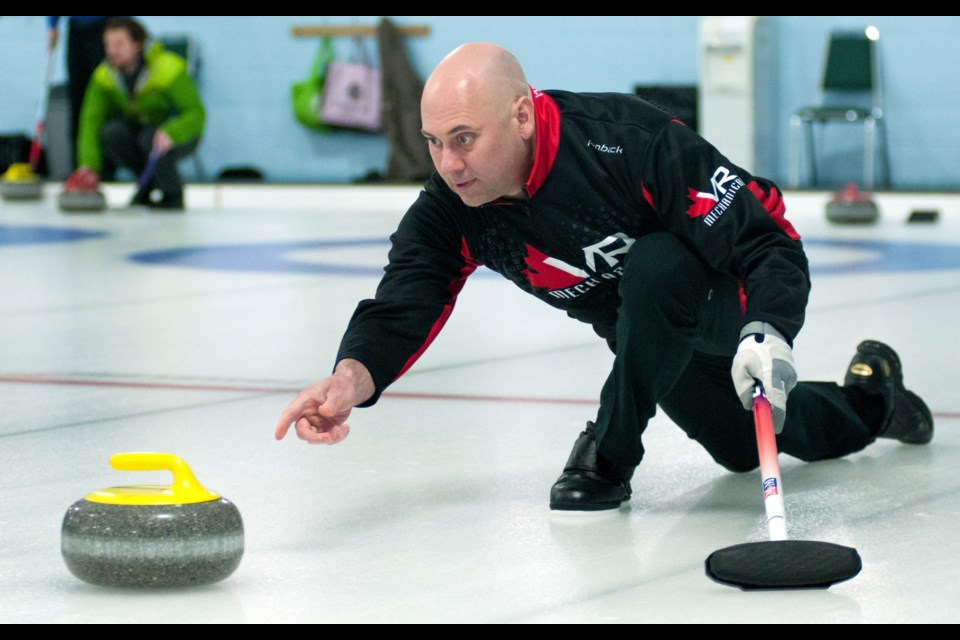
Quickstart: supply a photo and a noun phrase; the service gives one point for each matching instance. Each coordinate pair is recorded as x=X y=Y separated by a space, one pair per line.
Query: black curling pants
x=677 y=331
x=127 y=144
x=84 y=53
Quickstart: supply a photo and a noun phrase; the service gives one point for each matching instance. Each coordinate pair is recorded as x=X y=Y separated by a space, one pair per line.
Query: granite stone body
x=15 y=190
x=841 y=212
x=152 y=545
x=82 y=201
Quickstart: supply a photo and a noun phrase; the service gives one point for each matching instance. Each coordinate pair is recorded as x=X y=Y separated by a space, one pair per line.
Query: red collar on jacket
x=546 y=116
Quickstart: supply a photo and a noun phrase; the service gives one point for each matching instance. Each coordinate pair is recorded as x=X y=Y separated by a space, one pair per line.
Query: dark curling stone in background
x=151 y=535
x=852 y=206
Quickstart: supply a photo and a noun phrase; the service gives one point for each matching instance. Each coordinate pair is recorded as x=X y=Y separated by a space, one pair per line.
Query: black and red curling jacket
x=609 y=168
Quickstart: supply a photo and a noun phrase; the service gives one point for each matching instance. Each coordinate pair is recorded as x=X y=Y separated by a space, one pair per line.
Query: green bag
x=305 y=96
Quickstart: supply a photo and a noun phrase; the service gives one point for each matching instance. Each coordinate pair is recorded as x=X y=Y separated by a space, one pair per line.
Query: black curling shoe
x=589 y=482
x=876 y=369
x=168 y=202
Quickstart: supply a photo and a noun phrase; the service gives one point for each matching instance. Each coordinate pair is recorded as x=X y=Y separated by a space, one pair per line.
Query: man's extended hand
x=162 y=142
x=764 y=356
x=320 y=412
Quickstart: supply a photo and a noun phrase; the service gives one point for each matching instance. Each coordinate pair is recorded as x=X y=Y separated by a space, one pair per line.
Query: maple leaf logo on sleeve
x=702 y=203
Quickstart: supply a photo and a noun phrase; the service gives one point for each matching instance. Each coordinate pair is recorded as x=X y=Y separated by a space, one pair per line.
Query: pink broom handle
x=769 y=466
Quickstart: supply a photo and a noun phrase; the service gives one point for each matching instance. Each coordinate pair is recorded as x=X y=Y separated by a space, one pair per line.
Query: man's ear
x=524 y=115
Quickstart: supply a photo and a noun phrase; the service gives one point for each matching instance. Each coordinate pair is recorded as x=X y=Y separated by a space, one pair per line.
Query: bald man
x=610 y=209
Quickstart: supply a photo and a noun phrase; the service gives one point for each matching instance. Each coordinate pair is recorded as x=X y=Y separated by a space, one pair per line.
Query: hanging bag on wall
x=306 y=95
x=351 y=95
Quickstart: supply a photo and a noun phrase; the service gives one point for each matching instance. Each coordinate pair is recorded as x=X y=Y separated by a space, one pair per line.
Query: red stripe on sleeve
x=647 y=196
x=456 y=286
x=773 y=203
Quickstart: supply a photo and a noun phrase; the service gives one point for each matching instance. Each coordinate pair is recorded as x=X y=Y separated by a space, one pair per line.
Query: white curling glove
x=764 y=357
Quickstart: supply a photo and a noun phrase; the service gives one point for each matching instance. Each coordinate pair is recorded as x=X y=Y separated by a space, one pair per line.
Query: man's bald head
x=478 y=117
x=480 y=69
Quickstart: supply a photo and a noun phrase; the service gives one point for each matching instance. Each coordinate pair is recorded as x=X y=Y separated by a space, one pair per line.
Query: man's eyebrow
x=455 y=130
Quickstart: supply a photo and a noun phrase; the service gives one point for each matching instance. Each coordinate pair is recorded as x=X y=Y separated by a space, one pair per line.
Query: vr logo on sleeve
x=710 y=205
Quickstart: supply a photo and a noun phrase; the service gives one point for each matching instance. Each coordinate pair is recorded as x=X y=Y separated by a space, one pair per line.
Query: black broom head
x=783 y=564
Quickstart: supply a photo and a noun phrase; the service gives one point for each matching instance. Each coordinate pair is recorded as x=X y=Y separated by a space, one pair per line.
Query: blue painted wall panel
x=249 y=63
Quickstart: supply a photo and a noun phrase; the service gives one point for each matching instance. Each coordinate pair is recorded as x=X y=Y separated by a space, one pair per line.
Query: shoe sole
x=572 y=507
x=565 y=508
x=922 y=437
x=884 y=351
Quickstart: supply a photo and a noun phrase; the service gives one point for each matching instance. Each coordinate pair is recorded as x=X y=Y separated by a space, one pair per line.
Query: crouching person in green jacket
x=140 y=102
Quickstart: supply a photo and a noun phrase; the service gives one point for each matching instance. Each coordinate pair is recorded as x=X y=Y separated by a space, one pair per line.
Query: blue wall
x=249 y=63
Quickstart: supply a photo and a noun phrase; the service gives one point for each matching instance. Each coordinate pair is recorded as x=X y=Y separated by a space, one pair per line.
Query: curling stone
x=20 y=183
x=852 y=206
x=152 y=535
x=81 y=193
x=82 y=201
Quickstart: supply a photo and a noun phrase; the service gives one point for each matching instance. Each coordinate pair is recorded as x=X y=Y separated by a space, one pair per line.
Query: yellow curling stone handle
x=20 y=172
x=184 y=490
